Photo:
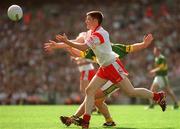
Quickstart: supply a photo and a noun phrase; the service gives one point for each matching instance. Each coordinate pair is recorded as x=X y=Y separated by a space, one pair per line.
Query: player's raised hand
x=50 y=46
x=148 y=39
x=62 y=38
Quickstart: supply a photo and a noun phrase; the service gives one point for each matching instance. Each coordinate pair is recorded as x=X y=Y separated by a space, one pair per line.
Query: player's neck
x=94 y=28
x=157 y=55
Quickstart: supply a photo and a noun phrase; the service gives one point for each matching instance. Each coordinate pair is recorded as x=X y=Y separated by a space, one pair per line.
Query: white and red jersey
x=83 y=34
x=111 y=67
x=99 y=42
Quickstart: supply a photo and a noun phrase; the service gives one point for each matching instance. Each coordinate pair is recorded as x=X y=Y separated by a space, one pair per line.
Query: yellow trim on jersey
x=129 y=48
x=162 y=67
x=82 y=54
x=94 y=59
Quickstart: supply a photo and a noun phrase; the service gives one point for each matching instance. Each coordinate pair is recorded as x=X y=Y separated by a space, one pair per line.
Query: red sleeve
x=101 y=38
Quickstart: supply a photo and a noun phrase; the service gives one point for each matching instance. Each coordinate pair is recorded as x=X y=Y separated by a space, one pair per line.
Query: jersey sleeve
x=129 y=48
x=124 y=48
x=94 y=40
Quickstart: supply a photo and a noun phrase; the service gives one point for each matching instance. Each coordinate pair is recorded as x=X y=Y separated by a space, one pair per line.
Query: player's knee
x=153 y=89
x=89 y=91
x=98 y=103
x=170 y=92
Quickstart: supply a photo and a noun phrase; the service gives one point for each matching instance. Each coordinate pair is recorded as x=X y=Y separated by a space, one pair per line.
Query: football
x=15 y=12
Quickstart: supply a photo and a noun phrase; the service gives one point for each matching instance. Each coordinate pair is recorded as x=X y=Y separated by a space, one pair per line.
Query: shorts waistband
x=86 y=67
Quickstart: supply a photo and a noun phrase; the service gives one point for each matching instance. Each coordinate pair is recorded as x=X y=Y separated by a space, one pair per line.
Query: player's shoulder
x=162 y=56
x=101 y=32
x=82 y=34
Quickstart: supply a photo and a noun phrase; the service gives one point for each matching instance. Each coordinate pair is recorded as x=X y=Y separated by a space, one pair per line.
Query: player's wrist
x=68 y=41
x=144 y=44
x=54 y=46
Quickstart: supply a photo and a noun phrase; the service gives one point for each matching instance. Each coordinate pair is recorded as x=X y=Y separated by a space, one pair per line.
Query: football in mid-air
x=15 y=12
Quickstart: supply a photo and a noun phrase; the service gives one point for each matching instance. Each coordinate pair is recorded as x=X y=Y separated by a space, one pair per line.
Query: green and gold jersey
x=162 y=64
x=120 y=49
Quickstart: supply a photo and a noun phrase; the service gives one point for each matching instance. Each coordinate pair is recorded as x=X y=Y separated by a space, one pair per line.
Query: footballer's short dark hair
x=96 y=15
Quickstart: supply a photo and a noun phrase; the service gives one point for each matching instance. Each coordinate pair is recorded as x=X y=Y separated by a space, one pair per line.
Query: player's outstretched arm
x=74 y=52
x=157 y=68
x=146 y=42
x=52 y=45
x=77 y=45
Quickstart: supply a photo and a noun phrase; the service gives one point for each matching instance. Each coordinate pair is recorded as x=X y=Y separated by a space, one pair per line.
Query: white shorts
x=109 y=88
x=161 y=81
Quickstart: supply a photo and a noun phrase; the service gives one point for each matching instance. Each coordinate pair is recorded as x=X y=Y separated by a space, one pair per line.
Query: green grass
x=126 y=117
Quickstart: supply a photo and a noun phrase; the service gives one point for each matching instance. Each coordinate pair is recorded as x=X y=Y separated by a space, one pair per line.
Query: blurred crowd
x=30 y=76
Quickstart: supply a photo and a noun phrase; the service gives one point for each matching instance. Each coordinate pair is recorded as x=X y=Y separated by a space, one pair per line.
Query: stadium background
x=29 y=76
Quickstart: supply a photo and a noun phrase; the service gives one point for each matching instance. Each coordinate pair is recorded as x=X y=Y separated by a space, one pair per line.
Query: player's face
x=89 y=22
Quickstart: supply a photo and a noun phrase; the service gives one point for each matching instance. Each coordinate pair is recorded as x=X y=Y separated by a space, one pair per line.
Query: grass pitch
x=126 y=117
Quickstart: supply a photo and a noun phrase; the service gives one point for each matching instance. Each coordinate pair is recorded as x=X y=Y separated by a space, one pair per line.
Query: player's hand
x=50 y=46
x=62 y=38
x=148 y=40
x=151 y=72
x=73 y=58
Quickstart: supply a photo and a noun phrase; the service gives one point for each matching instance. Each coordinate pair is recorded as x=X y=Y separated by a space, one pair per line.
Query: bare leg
x=80 y=110
x=95 y=83
x=170 y=92
x=99 y=96
x=154 y=88
x=102 y=106
x=128 y=88
x=83 y=85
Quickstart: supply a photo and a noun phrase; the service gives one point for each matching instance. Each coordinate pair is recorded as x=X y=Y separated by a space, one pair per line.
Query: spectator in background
x=20 y=43
x=161 y=80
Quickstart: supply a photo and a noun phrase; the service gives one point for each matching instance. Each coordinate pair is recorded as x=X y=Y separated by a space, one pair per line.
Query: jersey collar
x=96 y=29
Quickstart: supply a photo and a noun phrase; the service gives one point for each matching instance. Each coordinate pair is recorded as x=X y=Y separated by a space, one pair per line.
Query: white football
x=15 y=12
